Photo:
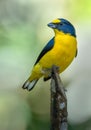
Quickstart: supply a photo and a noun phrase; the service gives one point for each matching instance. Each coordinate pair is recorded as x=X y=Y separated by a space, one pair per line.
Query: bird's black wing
x=48 y=47
x=76 y=52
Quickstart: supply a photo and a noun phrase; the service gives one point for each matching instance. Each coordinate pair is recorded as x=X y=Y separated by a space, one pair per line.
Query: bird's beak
x=52 y=25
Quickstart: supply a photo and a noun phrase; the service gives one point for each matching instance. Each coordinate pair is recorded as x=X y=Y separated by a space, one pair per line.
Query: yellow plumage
x=61 y=55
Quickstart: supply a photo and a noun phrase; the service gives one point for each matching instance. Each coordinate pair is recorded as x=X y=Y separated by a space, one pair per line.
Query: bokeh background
x=23 y=33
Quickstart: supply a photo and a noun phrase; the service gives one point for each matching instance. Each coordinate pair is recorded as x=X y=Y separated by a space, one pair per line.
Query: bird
x=59 y=51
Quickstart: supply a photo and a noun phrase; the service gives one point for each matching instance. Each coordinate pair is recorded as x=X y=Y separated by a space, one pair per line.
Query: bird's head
x=62 y=25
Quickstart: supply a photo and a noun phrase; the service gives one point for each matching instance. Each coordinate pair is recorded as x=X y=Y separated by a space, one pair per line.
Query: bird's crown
x=63 y=25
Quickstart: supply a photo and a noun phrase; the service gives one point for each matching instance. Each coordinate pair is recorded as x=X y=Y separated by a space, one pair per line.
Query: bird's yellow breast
x=62 y=53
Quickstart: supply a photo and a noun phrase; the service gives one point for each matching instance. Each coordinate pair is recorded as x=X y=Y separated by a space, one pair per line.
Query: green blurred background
x=23 y=33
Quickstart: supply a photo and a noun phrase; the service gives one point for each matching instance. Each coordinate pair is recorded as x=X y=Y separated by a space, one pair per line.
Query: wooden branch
x=58 y=102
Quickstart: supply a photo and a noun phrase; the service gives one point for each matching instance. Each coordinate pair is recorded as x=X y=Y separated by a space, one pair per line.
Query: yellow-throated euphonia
x=59 y=51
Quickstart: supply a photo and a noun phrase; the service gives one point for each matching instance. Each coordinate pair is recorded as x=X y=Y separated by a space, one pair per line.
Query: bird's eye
x=61 y=23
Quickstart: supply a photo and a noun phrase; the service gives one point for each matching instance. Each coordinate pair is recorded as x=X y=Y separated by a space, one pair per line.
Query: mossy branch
x=58 y=102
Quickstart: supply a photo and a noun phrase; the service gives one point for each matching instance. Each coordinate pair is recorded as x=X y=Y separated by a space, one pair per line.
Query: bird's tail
x=29 y=85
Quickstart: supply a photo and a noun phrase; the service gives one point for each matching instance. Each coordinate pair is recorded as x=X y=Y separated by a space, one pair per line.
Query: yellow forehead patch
x=56 y=21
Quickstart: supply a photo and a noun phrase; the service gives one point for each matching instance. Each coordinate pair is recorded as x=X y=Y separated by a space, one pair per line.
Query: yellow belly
x=61 y=55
